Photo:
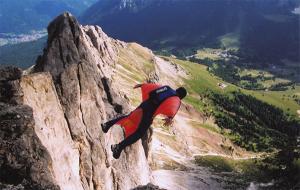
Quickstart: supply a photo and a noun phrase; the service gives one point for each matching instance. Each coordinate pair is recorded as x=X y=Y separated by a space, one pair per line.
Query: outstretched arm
x=146 y=89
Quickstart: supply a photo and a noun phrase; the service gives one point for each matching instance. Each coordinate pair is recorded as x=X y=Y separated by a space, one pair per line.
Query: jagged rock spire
x=69 y=43
x=62 y=46
x=81 y=60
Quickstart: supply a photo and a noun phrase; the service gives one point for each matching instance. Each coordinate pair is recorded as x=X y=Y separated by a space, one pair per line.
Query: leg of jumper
x=141 y=130
x=114 y=121
x=134 y=137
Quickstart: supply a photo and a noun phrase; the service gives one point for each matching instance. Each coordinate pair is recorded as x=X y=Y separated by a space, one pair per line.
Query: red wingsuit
x=168 y=107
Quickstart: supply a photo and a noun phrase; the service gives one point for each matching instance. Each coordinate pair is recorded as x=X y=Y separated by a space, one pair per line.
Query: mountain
x=24 y=16
x=50 y=116
x=258 y=29
x=58 y=116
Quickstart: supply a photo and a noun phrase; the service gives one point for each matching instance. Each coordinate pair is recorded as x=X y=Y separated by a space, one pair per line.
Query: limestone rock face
x=81 y=61
x=69 y=94
x=24 y=161
x=52 y=129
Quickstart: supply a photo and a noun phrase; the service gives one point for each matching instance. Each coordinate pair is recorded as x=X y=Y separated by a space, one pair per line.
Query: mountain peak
x=70 y=43
x=65 y=22
x=62 y=47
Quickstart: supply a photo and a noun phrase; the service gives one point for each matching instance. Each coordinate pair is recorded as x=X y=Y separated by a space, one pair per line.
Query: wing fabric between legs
x=131 y=123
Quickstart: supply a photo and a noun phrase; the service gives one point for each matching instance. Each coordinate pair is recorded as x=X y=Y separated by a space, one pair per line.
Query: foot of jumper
x=105 y=127
x=116 y=150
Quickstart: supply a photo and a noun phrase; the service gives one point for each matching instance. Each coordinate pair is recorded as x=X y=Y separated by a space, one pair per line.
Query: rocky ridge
x=59 y=107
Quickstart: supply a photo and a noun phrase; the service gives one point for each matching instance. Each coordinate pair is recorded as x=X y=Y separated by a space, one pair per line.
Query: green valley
x=256 y=120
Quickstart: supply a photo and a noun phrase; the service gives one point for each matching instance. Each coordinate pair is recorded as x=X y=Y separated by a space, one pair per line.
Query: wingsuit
x=157 y=100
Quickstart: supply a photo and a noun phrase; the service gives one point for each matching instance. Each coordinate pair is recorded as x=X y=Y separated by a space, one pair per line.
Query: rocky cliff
x=50 y=118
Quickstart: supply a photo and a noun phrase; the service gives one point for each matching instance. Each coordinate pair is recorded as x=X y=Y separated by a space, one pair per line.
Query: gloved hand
x=168 y=121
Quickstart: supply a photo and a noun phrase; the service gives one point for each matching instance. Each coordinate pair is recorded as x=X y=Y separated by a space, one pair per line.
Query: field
x=208 y=53
x=230 y=41
x=201 y=80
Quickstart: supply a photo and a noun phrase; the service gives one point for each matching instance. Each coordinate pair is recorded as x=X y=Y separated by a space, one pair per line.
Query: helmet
x=181 y=92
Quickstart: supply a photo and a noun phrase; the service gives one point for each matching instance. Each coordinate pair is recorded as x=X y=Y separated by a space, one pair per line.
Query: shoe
x=104 y=127
x=116 y=150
